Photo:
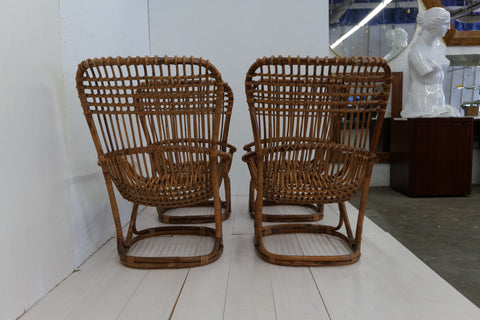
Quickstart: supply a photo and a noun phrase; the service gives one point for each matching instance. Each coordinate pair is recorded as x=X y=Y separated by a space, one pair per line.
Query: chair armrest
x=248 y=147
x=230 y=148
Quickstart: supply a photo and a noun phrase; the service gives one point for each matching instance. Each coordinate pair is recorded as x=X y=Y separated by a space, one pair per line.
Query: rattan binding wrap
x=311 y=120
x=160 y=125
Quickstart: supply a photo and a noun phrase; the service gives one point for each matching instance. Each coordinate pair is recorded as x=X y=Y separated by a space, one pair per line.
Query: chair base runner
x=194 y=219
x=290 y=217
x=169 y=262
x=300 y=260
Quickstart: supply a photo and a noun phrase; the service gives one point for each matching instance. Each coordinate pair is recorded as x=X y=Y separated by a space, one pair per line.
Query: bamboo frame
x=311 y=119
x=159 y=125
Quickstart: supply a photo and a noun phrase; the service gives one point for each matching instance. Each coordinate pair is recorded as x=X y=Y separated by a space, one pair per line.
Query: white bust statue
x=427 y=64
x=397 y=39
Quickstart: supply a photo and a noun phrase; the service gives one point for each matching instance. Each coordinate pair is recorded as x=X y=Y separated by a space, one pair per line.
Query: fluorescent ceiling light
x=369 y=17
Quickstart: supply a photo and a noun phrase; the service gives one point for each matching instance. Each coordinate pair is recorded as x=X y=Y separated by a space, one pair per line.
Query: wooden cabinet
x=431 y=156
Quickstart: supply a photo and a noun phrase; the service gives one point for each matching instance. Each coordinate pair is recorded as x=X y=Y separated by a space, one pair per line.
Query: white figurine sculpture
x=397 y=39
x=427 y=64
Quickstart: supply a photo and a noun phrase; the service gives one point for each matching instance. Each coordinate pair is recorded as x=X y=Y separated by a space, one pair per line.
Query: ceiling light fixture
x=369 y=17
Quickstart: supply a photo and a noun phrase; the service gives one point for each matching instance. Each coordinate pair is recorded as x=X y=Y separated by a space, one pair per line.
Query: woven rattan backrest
x=155 y=123
x=132 y=102
x=187 y=126
x=317 y=100
x=226 y=114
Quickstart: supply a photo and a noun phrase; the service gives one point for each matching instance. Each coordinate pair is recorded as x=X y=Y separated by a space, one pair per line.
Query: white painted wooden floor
x=388 y=282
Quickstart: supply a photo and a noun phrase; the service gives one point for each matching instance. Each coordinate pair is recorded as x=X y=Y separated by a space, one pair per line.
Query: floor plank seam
x=314 y=280
x=179 y=294
x=227 y=286
x=79 y=267
x=112 y=254
x=131 y=296
x=273 y=291
x=320 y=293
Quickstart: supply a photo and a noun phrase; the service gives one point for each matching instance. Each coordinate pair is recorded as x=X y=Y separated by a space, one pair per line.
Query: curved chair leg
x=228 y=196
x=345 y=221
x=133 y=236
x=351 y=241
x=305 y=260
x=251 y=198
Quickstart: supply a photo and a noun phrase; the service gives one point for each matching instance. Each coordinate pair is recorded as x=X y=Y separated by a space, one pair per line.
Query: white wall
x=55 y=209
x=94 y=28
x=35 y=228
x=232 y=34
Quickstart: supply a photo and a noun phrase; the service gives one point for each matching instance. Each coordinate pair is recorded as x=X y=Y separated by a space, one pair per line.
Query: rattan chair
x=311 y=120
x=157 y=124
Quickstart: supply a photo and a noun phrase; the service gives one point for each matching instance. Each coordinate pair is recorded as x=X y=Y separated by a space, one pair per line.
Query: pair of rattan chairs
x=160 y=127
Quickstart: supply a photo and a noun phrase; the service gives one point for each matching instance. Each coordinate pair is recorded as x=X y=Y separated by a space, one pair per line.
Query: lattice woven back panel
x=155 y=123
x=308 y=99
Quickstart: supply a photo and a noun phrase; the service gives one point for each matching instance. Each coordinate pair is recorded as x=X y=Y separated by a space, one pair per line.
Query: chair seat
x=166 y=185
x=312 y=180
